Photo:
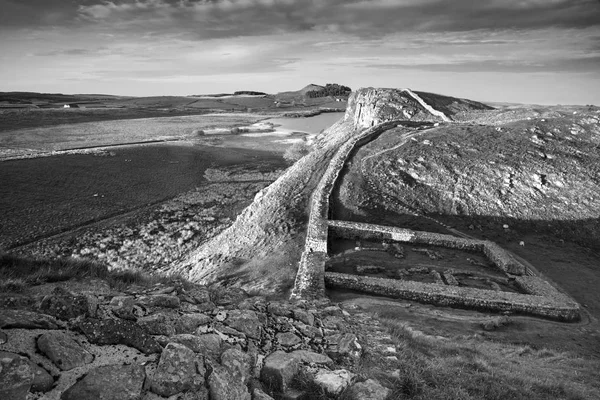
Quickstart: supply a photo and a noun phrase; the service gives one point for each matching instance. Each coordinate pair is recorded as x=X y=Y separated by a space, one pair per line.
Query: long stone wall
x=557 y=307
x=312 y=262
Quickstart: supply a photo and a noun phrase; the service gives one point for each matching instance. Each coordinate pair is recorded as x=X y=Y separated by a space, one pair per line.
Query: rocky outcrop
x=247 y=348
x=370 y=106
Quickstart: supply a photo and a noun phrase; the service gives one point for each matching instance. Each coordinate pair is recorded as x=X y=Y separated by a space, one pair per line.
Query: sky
x=525 y=51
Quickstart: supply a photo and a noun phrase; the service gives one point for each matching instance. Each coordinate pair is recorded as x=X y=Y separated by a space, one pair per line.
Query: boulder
x=176 y=371
x=369 y=389
x=65 y=305
x=238 y=364
x=123 y=307
x=26 y=320
x=158 y=300
x=157 y=324
x=229 y=296
x=258 y=394
x=288 y=339
x=223 y=385
x=279 y=370
x=111 y=331
x=208 y=345
x=63 y=350
x=306 y=317
x=188 y=323
x=344 y=348
x=16 y=378
x=333 y=382
x=109 y=382
x=245 y=321
x=42 y=380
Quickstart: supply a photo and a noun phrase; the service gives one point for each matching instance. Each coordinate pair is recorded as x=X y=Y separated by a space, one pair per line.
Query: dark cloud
x=580 y=65
x=365 y=18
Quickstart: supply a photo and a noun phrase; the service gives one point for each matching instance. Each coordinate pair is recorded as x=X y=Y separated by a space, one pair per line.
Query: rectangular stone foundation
x=552 y=304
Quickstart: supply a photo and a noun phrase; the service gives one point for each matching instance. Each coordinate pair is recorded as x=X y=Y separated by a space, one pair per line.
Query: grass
x=469 y=369
x=18 y=272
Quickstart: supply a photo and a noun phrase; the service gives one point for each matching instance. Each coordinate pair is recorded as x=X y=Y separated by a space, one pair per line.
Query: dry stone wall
x=555 y=307
x=312 y=263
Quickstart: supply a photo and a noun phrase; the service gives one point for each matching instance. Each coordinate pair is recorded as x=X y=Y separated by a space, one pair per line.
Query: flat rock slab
x=112 y=331
x=176 y=371
x=109 y=382
x=42 y=380
x=245 y=321
x=288 y=339
x=238 y=364
x=63 y=350
x=16 y=378
x=26 y=320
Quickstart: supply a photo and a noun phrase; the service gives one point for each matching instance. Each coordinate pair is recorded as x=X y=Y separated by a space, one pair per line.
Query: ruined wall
x=554 y=306
x=498 y=256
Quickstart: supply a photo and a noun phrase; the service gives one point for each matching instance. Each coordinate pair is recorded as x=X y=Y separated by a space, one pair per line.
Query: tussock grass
x=431 y=368
x=19 y=272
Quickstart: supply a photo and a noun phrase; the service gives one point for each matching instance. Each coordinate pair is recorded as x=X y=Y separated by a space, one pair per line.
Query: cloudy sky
x=530 y=51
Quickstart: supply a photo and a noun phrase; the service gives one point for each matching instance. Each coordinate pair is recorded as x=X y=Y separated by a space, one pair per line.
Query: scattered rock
x=344 y=348
x=188 y=323
x=245 y=321
x=176 y=371
x=16 y=377
x=310 y=357
x=288 y=339
x=157 y=324
x=26 y=320
x=208 y=345
x=123 y=307
x=111 y=331
x=279 y=370
x=63 y=350
x=258 y=394
x=224 y=386
x=159 y=300
x=42 y=380
x=65 y=305
x=369 y=389
x=109 y=382
x=333 y=382
x=238 y=364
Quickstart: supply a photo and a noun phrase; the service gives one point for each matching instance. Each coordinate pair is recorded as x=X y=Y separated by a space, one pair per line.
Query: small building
x=71 y=105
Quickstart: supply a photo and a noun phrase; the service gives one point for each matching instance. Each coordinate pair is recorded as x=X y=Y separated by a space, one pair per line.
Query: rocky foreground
x=85 y=340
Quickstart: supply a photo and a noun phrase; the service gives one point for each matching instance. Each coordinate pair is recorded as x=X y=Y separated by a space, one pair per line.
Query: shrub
x=296 y=152
x=198 y=132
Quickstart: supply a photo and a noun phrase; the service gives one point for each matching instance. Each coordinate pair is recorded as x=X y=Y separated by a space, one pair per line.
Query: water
x=312 y=125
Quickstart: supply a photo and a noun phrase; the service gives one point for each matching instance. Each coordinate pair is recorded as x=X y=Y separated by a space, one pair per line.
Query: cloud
x=227 y=18
x=579 y=65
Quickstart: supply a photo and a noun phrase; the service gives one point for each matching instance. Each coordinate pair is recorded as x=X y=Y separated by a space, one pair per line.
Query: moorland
x=140 y=231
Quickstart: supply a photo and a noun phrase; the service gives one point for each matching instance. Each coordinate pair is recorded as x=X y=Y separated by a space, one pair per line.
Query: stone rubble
x=244 y=348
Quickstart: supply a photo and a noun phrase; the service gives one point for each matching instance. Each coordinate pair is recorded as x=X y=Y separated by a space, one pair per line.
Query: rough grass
x=18 y=272
x=431 y=368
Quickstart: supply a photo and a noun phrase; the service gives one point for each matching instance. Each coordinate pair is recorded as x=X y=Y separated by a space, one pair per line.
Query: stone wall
x=555 y=306
x=498 y=256
x=312 y=263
